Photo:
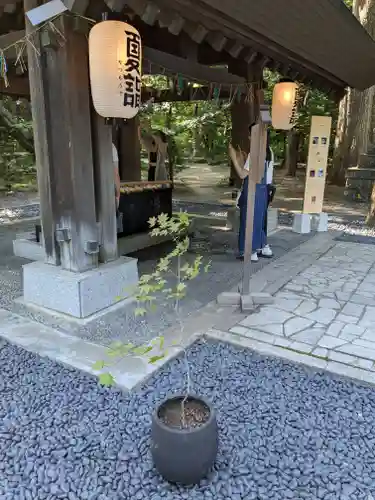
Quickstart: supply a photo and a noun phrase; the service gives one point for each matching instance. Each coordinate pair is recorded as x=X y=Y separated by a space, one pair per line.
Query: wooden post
x=63 y=65
x=240 y=117
x=257 y=160
x=104 y=188
x=40 y=113
x=129 y=151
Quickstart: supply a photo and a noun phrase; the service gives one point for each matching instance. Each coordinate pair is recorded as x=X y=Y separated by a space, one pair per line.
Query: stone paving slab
x=81 y=354
x=322 y=313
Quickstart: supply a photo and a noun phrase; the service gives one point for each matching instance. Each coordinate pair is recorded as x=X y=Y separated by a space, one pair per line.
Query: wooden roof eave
x=246 y=31
x=299 y=35
x=224 y=34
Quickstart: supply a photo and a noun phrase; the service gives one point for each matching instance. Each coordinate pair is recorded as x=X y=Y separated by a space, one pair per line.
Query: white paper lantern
x=284 y=105
x=115 y=54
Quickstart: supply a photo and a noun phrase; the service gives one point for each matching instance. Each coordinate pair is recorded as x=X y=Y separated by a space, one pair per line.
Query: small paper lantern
x=284 y=105
x=115 y=55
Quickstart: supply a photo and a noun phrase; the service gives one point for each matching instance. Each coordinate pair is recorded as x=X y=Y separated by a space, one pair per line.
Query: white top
x=247 y=163
x=114 y=154
x=269 y=173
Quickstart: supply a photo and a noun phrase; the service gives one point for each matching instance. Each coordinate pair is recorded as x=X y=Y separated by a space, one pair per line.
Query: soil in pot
x=184 y=439
x=180 y=414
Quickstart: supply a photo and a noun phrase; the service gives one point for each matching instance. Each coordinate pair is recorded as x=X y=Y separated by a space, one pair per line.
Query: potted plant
x=184 y=432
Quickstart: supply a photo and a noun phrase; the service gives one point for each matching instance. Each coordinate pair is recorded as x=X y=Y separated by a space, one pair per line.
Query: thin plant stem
x=188 y=377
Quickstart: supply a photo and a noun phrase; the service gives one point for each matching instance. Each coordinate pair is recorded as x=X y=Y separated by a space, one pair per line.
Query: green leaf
x=154 y=359
x=161 y=343
x=116 y=345
x=140 y=311
x=106 y=379
x=98 y=365
x=180 y=287
x=152 y=222
x=142 y=350
x=145 y=278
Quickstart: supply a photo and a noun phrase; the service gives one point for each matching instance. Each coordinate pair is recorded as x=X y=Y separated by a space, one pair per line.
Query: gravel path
x=225 y=272
x=285 y=432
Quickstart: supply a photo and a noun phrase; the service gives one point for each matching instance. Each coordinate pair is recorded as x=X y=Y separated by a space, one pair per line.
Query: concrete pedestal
x=322 y=225
x=273 y=219
x=302 y=223
x=233 y=219
x=79 y=294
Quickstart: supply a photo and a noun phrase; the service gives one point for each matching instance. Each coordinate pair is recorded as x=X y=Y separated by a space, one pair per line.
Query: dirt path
x=206 y=183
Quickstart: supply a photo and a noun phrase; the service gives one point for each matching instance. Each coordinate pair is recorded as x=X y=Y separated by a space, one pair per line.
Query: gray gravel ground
x=285 y=432
x=10 y=214
x=225 y=273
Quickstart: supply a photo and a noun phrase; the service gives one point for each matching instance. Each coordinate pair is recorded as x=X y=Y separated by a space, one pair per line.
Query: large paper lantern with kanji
x=284 y=105
x=115 y=55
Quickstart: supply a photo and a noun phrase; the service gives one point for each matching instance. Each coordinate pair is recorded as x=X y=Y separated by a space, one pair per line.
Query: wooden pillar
x=241 y=116
x=40 y=112
x=104 y=188
x=129 y=151
x=257 y=159
x=68 y=163
x=258 y=147
x=244 y=110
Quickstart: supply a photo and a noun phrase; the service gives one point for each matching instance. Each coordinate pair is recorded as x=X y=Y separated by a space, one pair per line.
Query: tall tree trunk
x=346 y=124
x=370 y=221
x=291 y=157
x=356 y=118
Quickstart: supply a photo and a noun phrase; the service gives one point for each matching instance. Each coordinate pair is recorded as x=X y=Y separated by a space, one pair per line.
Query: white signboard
x=316 y=169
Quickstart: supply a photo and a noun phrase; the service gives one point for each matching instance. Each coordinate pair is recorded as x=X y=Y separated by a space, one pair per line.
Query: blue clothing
x=260 y=212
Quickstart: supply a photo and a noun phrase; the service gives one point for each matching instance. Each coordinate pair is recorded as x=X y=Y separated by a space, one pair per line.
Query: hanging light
x=284 y=105
x=115 y=55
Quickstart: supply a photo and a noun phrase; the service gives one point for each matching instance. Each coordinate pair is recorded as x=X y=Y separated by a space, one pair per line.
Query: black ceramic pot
x=184 y=455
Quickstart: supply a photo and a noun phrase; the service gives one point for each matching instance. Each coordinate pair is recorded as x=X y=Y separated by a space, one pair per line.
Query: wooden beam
x=187 y=47
x=191 y=94
x=9 y=4
x=217 y=40
x=10 y=8
x=150 y=14
x=116 y=5
x=234 y=48
x=172 y=21
x=156 y=62
x=79 y=6
x=9 y=39
x=197 y=32
x=250 y=56
x=148 y=11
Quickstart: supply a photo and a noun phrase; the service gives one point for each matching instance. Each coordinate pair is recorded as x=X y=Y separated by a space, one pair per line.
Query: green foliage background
x=201 y=130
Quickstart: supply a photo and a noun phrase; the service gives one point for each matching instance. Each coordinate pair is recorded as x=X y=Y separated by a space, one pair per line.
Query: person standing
x=242 y=166
x=266 y=250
